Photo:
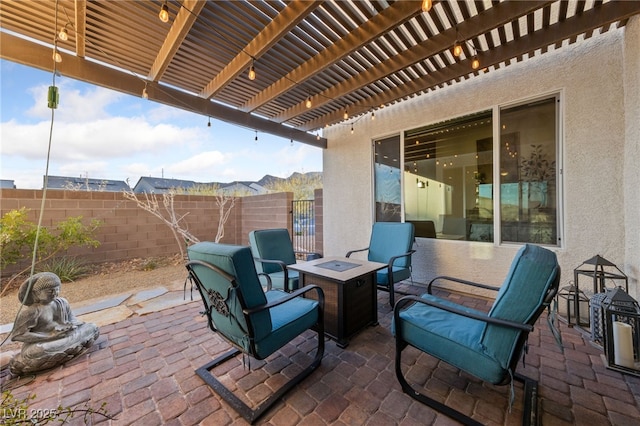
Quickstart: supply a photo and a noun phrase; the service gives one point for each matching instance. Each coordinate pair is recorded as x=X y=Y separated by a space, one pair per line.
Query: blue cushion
x=389 y=239
x=236 y=261
x=399 y=274
x=288 y=320
x=272 y=244
x=277 y=280
x=532 y=273
x=451 y=337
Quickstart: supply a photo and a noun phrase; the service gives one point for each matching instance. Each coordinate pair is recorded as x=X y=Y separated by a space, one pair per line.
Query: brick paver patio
x=143 y=369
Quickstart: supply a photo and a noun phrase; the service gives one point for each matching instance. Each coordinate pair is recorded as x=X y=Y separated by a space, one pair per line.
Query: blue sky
x=105 y=134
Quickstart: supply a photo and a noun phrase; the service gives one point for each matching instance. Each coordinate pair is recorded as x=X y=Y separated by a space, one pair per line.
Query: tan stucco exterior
x=599 y=85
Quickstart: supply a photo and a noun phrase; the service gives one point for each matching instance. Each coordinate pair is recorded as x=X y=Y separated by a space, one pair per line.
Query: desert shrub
x=18 y=237
x=67 y=268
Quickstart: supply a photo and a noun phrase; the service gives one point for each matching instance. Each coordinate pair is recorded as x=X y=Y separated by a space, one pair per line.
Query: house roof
x=84 y=184
x=347 y=56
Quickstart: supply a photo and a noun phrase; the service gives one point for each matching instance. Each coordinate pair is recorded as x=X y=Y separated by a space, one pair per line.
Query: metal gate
x=304 y=226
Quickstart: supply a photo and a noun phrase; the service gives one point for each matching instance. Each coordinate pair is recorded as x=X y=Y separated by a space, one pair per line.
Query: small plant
x=150 y=264
x=18 y=237
x=67 y=268
x=18 y=412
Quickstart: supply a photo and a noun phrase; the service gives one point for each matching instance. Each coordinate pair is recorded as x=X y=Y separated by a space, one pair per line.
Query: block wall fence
x=127 y=231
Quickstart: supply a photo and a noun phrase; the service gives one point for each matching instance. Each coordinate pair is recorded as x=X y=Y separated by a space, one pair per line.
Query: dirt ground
x=106 y=279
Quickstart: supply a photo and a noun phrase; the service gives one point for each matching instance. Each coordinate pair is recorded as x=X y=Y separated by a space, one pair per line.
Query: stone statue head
x=39 y=283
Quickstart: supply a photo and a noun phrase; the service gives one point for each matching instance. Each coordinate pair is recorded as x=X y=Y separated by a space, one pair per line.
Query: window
x=449 y=175
x=387 y=187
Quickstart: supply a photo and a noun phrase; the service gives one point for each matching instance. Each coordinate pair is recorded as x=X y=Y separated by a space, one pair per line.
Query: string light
x=373 y=115
x=252 y=71
x=164 y=13
x=457 y=49
x=56 y=55
x=63 y=34
x=256 y=139
x=352 y=129
x=475 y=63
x=209 y=123
x=308 y=102
x=346 y=114
x=426 y=5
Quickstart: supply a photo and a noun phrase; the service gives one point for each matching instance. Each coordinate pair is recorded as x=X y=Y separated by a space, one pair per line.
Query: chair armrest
x=287 y=298
x=355 y=251
x=282 y=265
x=394 y=258
x=269 y=282
x=460 y=281
x=480 y=317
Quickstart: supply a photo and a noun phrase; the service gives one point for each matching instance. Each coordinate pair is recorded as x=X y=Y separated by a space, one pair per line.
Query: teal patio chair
x=273 y=251
x=390 y=243
x=485 y=345
x=252 y=321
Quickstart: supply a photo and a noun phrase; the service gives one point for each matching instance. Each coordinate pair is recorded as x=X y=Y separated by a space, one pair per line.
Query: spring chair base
x=530 y=407
x=249 y=414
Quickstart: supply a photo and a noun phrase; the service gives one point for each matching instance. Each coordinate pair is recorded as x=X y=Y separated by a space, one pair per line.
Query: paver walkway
x=143 y=368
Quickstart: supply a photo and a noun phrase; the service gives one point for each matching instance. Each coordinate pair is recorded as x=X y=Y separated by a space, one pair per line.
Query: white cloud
x=74 y=105
x=201 y=163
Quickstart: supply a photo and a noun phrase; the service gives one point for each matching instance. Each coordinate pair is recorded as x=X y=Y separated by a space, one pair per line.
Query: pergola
x=314 y=63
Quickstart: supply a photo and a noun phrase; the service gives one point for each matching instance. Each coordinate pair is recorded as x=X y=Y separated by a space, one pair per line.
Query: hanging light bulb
x=308 y=102
x=318 y=136
x=56 y=55
x=209 y=123
x=352 y=129
x=373 y=115
x=256 y=139
x=164 y=13
x=426 y=5
x=145 y=95
x=475 y=63
x=252 y=70
x=346 y=114
x=457 y=49
x=63 y=34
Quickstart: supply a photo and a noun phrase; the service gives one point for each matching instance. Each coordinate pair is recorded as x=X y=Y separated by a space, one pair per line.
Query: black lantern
x=600 y=271
x=622 y=331
x=577 y=304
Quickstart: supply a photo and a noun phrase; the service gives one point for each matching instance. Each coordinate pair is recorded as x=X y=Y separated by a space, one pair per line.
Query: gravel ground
x=107 y=279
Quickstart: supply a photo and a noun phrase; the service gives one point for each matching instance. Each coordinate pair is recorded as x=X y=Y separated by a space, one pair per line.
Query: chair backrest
x=225 y=297
x=390 y=239
x=273 y=244
x=530 y=285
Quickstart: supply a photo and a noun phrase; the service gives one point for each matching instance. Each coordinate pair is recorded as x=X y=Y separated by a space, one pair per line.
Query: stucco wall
x=590 y=76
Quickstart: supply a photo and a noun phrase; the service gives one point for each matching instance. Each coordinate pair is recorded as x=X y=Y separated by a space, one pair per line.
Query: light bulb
x=63 y=34
x=164 y=13
x=145 y=95
x=57 y=56
x=346 y=114
x=373 y=115
x=426 y=5
x=351 y=129
x=252 y=73
x=457 y=49
x=308 y=102
x=475 y=64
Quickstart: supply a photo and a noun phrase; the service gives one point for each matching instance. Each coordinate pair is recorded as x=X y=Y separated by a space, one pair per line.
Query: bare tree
x=166 y=213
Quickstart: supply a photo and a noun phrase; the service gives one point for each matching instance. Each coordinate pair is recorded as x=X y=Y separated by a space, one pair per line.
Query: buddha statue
x=50 y=333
